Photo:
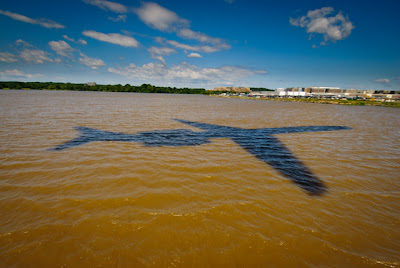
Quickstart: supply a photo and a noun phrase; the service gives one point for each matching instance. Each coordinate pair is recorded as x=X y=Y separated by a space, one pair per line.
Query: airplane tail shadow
x=272 y=152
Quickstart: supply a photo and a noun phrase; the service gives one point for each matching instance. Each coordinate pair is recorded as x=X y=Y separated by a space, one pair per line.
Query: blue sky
x=208 y=43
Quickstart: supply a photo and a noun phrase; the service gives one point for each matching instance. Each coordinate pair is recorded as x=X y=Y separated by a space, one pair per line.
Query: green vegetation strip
x=394 y=104
x=145 y=88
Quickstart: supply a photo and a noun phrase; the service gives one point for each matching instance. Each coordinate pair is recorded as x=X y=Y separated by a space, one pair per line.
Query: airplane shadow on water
x=259 y=142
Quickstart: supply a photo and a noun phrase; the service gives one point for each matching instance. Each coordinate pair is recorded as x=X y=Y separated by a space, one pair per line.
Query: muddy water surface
x=122 y=203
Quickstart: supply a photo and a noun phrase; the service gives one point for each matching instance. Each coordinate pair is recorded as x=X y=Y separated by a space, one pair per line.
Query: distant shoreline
x=144 y=88
x=147 y=88
x=324 y=101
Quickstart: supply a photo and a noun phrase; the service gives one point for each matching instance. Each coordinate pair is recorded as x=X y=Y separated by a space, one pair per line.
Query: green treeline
x=145 y=88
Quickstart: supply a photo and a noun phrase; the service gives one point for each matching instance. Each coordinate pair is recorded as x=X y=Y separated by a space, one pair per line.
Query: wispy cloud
x=91 y=62
x=194 y=55
x=7 y=57
x=382 y=81
x=79 y=41
x=35 y=56
x=42 y=22
x=201 y=37
x=185 y=73
x=218 y=43
x=108 y=5
x=160 y=18
x=118 y=18
x=68 y=38
x=114 y=38
x=158 y=52
x=201 y=48
x=22 y=43
x=62 y=48
x=17 y=73
x=332 y=28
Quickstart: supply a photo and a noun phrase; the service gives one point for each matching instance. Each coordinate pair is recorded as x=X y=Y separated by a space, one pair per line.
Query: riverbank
x=325 y=101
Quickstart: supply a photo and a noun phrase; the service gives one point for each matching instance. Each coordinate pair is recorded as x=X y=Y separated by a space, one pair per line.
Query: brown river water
x=136 y=188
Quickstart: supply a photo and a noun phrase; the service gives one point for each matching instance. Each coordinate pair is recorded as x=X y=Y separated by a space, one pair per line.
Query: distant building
x=296 y=91
x=90 y=84
x=323 y=90
x=291 y=91
x=314 y=92
x=232 y=89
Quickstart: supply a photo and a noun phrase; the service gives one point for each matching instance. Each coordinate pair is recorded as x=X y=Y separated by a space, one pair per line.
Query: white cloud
x=82 y=42
x=194 y=55
x=14 y=72
x=201 y=48
x=160 y=18
x=203 y=38
x=31 y=54
x=118 y=18
x=7 y=57
x=23 y=43
x=42 y=22
x=91 y=62
x=185 y=73
x=161 y=50
x=18 y=73
x=158 y=52
x=35 y=56
x=146 y=71
x=62 y=48
x=108 y=5
x=332 y=28
x=68 y=38
x=79 y=41
x=159 y=40
x=382 y=81
x=114 y=38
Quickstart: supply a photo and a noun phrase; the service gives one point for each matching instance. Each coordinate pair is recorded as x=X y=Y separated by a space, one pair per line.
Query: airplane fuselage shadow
x=259 y=142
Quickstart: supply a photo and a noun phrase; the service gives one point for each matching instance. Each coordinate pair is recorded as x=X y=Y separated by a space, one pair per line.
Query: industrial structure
x=314 y=92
